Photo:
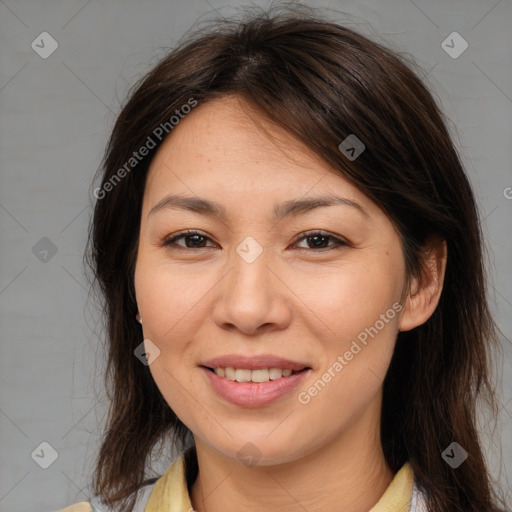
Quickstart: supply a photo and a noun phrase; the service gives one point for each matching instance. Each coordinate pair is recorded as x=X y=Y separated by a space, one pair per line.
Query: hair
x=321 y=82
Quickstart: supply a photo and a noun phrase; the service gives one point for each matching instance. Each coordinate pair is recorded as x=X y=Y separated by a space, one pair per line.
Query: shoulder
x=96 y=505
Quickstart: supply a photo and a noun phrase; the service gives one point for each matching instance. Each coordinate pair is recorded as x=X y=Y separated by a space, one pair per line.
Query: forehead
x=225 y=148
x=227 y=131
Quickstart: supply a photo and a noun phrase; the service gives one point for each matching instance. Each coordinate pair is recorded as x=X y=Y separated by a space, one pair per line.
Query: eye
x=196 y=240
x=195 y=237
x=319 y=238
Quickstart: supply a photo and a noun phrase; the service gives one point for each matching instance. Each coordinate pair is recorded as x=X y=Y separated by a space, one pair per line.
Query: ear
x=423 y=297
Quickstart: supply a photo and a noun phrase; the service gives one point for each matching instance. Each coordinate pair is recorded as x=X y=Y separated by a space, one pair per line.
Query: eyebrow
x=280 y=211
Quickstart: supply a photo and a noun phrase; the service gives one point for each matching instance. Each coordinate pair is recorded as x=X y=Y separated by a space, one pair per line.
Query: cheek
x=356 y=319
x=345 y=300
x=171 y=299
x=170 y=302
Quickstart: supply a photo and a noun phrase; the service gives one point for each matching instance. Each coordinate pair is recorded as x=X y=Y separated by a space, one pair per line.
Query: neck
x=348 y=473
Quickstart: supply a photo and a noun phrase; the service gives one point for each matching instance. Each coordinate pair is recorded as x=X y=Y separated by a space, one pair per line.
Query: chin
x=259 y=451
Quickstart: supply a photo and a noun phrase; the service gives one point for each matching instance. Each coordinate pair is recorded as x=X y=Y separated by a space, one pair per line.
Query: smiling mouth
x=259 y=375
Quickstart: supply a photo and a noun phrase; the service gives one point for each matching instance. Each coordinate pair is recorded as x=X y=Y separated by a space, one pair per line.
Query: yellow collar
x=171 y=494
x=397 y=497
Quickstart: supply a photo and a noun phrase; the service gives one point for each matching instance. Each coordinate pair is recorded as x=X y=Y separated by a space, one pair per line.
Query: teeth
x=246 y=375
x=275 y=373
x=261 y=375
x=242 y=375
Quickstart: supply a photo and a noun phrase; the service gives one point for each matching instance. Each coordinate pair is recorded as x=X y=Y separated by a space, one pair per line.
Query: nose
x=252 y=297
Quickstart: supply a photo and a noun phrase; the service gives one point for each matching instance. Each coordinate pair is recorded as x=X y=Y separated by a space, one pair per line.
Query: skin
x=305 y=305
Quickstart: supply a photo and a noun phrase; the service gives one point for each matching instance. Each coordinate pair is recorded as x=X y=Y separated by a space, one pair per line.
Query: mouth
x=257 y=386
x=258 y=375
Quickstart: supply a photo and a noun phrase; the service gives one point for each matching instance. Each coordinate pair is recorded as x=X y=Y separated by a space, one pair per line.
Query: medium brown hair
x=321 y=82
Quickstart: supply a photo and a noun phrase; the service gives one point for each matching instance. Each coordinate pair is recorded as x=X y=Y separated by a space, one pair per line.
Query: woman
x=291 y=262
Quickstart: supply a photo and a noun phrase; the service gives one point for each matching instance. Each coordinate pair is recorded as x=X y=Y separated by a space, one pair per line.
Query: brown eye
x=316 y=240
x=319 y=239
x=193 y=240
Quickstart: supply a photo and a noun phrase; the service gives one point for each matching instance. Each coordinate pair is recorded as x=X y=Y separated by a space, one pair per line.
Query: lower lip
x=253 y=394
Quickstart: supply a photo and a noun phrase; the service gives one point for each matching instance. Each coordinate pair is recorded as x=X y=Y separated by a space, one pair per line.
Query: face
x=316 y=286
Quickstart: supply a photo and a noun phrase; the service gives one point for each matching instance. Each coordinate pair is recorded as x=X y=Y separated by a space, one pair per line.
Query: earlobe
x=425 y=292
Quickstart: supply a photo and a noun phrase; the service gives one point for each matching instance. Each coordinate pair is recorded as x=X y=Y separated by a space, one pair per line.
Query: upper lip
x=253 y=362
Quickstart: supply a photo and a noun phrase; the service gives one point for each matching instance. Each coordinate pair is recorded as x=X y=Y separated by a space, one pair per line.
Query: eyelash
x=169 y=242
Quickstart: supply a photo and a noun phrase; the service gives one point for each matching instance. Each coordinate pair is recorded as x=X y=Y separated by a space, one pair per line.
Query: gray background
x=55 y=117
